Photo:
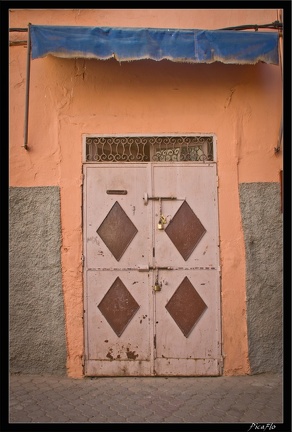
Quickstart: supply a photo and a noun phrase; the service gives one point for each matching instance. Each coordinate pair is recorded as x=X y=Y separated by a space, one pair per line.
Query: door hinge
x=217 y=181
x=82 y=260
x=154 y=342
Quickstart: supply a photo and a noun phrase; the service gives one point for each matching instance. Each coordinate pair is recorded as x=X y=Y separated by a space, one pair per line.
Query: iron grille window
x=149 y=148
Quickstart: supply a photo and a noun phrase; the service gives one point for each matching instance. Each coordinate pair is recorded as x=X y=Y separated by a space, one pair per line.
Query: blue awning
x=128 y=44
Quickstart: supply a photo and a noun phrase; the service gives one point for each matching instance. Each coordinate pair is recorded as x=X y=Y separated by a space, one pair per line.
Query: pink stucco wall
x=69 y=98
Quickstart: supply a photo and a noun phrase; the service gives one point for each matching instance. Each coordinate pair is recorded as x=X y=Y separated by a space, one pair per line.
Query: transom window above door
x=164 y=148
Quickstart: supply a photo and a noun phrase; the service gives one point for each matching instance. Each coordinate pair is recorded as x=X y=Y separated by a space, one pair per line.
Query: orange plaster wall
x=247 y=156
x=68 y=98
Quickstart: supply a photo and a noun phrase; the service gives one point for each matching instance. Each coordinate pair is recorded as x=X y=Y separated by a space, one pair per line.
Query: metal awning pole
x=27 y=89
x=280 y=140
x=280 y=136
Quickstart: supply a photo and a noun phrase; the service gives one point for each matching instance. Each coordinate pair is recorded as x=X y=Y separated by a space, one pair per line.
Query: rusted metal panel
x=117 y=231
x=118 y=306
x=186 y=306
x=185 y=230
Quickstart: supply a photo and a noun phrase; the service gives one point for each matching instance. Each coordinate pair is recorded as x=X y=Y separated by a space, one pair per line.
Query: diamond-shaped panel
x=186 y=306
x=117 y=231
x=185 y=230
x=118 y=306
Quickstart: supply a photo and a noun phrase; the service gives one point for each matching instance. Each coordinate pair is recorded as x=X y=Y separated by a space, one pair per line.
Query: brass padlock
x=162 y=222
x=157 y=286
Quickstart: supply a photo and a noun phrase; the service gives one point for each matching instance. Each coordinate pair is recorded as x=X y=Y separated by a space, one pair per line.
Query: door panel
x=131 y=329
x=118 y=322
x=180 y=335
x=117 y=295
x=197 y=185
x=187 y=309
x=103 y=187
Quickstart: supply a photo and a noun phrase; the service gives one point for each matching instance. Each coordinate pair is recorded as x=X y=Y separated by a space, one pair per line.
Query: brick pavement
x=56 y=399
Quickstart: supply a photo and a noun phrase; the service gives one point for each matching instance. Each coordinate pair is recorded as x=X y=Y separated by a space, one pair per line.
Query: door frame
x=97 y=164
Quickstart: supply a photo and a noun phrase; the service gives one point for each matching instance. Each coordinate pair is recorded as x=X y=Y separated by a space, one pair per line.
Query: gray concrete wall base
x=262 y=225
x=36 y=307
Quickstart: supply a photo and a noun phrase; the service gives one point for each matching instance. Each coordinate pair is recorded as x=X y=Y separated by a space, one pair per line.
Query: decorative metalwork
x=185 y=230
x=183 y=149
x=153 y=148
x=117 y=149
x=186 y=306
x=117 y=231
x=118 y=306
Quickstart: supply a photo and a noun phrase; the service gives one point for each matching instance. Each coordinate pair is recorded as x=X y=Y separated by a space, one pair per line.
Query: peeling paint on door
x=173 y=329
